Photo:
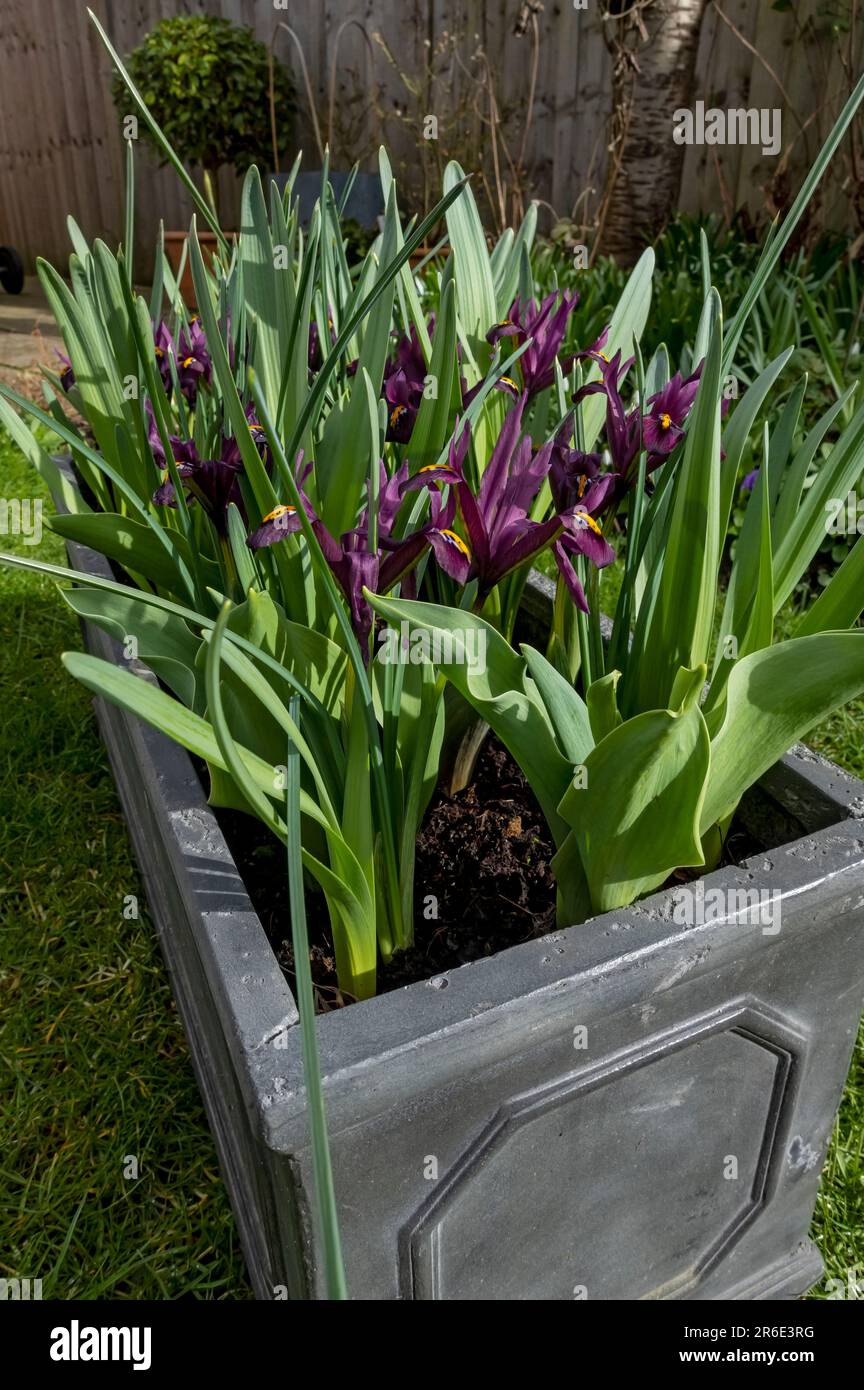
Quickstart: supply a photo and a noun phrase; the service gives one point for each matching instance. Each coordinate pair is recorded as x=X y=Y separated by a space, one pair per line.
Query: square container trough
x=631 y=1108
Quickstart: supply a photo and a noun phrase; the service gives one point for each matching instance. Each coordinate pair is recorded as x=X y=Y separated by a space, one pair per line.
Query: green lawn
x=94 y=1064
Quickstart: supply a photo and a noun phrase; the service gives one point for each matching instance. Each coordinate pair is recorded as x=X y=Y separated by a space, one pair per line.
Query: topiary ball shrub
x=207 y=83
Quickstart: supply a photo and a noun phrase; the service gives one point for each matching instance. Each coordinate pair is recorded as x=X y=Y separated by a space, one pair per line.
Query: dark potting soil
x=482 y=881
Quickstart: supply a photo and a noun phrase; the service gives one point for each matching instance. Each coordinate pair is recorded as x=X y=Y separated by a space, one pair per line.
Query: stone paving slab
x=28 y=336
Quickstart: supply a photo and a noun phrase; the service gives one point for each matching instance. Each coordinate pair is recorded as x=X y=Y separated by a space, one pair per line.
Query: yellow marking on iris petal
x=583 y=483
x=187 y=360
x=665 y=421
x=396 y=413
x=282 y=510
x=458 y=542
x=603 y=355
x=508 y=381
x=160 y=352
x=505 y=323
x=588 y=522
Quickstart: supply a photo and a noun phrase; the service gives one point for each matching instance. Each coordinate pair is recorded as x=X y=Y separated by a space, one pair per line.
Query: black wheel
x=11 y=270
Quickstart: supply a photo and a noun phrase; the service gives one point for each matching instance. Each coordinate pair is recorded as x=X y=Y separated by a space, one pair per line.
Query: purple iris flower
x=163 y=347
x=622 y=426
x=213 y=483
x=194 y=365
x=570 y=470
x=283 y=520
x=749 y=481
x=185 y=455
x=408 y=357
x=504 y=383
x=354 y=566
x=67 y=376
x=500 y=534
x=231 y=449
x=584 y=536
x=403 y=399
x=663 y=426
x=405 y=377
x=546 y=325
x=183 y=452
x=403 y=385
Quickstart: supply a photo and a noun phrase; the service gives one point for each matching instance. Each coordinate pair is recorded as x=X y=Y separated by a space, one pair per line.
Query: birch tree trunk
x=654 y=45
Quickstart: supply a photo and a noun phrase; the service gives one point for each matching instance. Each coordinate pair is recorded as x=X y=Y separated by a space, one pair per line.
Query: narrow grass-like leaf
x=159 y=135
x=325 y=1197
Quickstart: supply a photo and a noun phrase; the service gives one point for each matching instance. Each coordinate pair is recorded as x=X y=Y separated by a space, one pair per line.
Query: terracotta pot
x=174 y=243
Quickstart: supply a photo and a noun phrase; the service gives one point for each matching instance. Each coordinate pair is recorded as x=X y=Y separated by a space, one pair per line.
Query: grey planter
x=480 y=1150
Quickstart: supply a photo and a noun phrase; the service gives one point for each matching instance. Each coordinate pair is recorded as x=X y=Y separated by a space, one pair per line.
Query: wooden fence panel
x=61 y=150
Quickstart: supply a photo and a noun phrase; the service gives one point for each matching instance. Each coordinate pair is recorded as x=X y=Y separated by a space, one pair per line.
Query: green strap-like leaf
x=675 y=621
x=493 y=679
x=841 y=602
x=324 y=1195
x=627 y=325
x=474 y=283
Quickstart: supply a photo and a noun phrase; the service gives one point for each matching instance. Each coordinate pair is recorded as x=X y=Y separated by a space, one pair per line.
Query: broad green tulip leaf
x=637 y=815
x=573 y=895
x=602 y=702
x=135 y=547
x=352 y=904
x=163 y=641
x=772 y=698
x=566 y=709
x=65 y=495
x=143 y=698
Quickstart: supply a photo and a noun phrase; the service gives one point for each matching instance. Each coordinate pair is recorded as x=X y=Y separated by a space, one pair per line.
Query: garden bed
x=479 y=1151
